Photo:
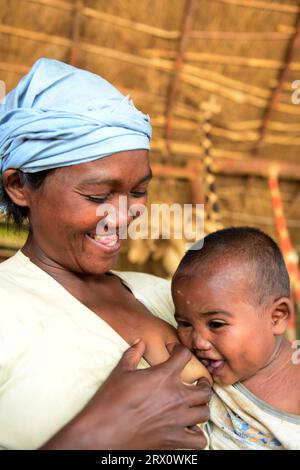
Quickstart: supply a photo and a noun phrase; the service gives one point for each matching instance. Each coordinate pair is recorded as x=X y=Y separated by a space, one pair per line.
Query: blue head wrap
x=59 y=115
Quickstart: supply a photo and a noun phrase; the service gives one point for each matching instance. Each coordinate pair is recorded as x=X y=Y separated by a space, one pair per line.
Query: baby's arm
x=156 y=351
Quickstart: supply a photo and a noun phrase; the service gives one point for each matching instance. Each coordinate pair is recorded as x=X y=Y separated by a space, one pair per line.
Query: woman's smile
x=108 y=243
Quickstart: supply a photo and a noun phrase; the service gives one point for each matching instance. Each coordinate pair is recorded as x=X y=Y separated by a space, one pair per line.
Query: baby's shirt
x=241 y=421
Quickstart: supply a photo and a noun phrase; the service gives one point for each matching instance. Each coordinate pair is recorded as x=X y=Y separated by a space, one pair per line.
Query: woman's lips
x=109 y=243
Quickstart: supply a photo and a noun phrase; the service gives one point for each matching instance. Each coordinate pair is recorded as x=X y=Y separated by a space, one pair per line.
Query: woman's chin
x=96 y=259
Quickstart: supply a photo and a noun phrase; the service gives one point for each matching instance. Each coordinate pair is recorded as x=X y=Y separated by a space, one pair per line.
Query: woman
x=65 y=318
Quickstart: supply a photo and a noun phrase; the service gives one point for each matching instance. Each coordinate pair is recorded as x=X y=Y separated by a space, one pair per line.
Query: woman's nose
x=118 y=215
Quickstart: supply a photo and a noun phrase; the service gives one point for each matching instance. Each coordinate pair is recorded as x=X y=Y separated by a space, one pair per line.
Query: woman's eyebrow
x=98 y=180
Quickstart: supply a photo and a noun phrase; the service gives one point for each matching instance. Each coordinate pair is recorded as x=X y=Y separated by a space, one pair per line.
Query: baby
x=232 y=307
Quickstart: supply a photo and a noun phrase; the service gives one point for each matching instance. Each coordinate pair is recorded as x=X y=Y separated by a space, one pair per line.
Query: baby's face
x=216 y=320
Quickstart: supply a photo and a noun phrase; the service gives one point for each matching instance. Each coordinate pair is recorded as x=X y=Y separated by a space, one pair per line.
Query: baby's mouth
x=212 y=365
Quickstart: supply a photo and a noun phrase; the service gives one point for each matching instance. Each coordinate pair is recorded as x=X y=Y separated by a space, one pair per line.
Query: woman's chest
x=126 y=315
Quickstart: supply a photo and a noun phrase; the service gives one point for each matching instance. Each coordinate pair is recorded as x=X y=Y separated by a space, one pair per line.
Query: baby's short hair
x=242 y=244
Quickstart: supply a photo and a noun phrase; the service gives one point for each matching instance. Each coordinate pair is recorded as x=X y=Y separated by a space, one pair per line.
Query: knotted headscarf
x=59 y=115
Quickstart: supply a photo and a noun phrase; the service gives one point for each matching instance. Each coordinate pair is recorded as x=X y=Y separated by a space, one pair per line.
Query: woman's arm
x=141 y=409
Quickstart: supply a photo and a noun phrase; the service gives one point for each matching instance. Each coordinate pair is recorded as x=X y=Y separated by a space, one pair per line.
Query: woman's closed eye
x=138 y=194
x=99 y=199
x=103 y=199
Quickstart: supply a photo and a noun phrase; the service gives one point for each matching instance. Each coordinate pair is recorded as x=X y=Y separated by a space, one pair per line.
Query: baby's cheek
x=245 y=363
x=185 y=337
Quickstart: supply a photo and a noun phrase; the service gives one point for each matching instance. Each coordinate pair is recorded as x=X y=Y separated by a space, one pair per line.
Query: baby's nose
x=200 y=343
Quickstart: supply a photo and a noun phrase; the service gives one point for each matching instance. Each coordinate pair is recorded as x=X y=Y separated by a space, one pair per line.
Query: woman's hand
x=141 y=409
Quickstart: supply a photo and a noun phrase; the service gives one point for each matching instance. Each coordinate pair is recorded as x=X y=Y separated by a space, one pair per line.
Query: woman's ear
x=282 y=310
x=15 y=188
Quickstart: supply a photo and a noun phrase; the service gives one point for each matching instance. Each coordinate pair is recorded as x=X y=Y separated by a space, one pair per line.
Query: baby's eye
x=216 y=324
x=182 y=324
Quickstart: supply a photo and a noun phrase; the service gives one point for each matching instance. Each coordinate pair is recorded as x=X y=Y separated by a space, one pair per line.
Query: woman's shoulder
x=11 y=266
x=144 y=280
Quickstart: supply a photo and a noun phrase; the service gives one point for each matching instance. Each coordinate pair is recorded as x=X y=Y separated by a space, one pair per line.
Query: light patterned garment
x=55 y=352
x=240 y=421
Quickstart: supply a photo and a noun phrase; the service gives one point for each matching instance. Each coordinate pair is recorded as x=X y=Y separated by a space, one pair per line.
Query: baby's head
x=232 y=302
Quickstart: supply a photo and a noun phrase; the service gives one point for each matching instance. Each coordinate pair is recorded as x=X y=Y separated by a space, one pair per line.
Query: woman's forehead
x=124 y=167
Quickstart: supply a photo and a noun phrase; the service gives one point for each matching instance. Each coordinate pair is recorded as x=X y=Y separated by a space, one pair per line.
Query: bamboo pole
x=235 y=95
x=35 y=36
x=262 y=5
x=232 y=155
x=99 y=50
x=219 y=78
x=226 y=92
x=130 y=24
x=255 y=124
x=282 y=140
x=284 y=28
x=203 y=57
x=59 y=4
x=285 y=87
x=243 y=136
x=232 y=166
x=243 y=130
x=244 y=163
x=242 y=36
x=158 y=63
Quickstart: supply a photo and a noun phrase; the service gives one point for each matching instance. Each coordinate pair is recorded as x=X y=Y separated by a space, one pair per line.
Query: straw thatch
x=172 y=57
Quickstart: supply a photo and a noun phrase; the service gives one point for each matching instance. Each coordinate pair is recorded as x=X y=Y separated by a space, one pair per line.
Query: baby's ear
x=282 y=311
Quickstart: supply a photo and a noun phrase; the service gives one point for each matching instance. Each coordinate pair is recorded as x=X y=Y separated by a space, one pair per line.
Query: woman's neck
x=66 y=277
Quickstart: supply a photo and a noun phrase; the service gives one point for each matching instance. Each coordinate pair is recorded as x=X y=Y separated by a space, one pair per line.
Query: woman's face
x=65 y=212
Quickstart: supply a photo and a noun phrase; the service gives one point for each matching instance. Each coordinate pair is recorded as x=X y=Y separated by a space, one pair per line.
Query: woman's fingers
x=131 y=358
x=196 y=415
x=199 y=394
x=179 y=357
x=195 y=439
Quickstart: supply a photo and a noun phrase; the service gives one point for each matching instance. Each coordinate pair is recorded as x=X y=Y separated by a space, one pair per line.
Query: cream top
x=54 y=351
x=241 y=421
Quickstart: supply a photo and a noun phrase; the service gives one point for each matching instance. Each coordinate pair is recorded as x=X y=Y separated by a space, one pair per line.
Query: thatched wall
x=234 y=50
